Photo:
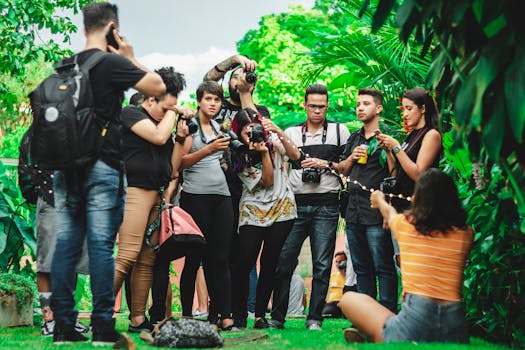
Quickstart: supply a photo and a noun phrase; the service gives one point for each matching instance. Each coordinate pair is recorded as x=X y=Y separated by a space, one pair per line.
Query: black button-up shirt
x=370 y=175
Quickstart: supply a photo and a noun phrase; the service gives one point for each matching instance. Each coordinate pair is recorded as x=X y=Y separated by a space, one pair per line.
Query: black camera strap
x=304 y=129
x=201 y=133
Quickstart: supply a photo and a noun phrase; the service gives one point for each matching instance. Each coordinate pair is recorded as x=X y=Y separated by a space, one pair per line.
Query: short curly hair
x=174 y=81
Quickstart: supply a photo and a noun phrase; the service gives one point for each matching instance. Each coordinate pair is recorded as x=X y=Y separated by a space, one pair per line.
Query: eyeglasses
x=314 y=107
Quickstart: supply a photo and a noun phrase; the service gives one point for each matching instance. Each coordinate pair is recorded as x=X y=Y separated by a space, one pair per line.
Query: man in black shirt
x=371 y=247
x=240 y=96
x=90 y=201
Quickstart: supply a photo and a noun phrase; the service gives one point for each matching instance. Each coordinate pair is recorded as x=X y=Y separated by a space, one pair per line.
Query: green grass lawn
x=295 y=336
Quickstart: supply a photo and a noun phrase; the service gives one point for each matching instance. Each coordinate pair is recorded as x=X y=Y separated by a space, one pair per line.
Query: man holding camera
x=316 y=193
x=371 y=247
x=241 y=85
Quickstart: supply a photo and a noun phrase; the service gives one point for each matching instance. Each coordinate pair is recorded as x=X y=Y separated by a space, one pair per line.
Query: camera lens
x=251 y=77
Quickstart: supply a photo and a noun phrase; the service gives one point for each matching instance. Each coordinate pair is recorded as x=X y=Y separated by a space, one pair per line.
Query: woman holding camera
x=206 y=197
x=421 y=148
x=267 y=209
x=152 y=159
x=435 y=242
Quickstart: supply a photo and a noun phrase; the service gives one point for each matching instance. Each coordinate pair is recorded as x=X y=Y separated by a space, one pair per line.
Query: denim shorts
x=46 y=240
x=423 y=320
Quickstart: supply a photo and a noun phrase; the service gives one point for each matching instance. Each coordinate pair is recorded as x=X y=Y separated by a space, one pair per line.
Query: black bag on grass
x=187 y=333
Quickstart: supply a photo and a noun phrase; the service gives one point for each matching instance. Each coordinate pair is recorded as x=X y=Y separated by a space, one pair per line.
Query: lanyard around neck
x=304 y=129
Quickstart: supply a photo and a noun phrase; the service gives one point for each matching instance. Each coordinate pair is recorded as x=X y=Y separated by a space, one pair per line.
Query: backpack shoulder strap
x=93 y=60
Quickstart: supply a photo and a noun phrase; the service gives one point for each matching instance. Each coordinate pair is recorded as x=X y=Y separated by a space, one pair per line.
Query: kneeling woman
x=434 y=242
x=267 y=209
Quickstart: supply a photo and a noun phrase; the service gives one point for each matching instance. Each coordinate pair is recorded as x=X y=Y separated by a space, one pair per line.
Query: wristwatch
x=396 y=149
x=330 y=165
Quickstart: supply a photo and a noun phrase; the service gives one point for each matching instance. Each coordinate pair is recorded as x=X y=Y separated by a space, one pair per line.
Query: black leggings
x=246 y=250
x=168 y=252
x=214 y=216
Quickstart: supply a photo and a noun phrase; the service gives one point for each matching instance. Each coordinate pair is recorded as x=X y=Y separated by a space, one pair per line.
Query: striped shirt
x=432 y=266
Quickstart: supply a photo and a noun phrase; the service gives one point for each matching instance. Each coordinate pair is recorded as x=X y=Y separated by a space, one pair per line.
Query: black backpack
x=26 y=172
x=65 y=132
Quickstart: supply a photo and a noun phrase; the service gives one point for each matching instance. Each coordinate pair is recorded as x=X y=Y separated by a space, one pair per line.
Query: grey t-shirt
x=206 y=176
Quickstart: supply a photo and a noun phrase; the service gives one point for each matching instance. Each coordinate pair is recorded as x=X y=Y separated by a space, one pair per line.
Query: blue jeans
x=372 y=251
x=89 y=204
x=320 y=223
x=422 y=320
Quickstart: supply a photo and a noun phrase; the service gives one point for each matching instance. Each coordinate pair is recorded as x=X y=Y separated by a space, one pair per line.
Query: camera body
x=235 y=144
x=256 y=134
x=251 y=77
x=192 y=126
x=387 y=185
x=311 y=175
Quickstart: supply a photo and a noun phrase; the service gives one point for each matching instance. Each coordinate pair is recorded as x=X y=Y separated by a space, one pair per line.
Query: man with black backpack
x=89 y=188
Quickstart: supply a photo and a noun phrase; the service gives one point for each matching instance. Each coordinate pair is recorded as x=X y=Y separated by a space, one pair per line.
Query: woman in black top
x=421 y=148
x=152 y=159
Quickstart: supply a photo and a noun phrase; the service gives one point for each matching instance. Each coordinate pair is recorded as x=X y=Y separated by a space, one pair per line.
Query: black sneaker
x=64 y=334
x=104 y=332
x=144 y=326
x=261 y=323
x=275 y=324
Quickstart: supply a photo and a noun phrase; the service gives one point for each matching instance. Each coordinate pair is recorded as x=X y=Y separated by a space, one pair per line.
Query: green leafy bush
x=22 y=287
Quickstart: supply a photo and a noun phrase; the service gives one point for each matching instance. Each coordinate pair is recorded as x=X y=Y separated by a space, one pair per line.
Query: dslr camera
x=235 y=144
x=192 y=126
x=310 y=175
x=251 y=77
x=387 y=185
x=256 y=134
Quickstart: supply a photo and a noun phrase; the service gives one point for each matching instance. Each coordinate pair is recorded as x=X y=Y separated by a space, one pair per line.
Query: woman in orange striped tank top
x=434 y=242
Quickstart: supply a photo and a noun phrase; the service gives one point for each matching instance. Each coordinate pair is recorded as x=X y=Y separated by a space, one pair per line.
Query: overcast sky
x=191 y=35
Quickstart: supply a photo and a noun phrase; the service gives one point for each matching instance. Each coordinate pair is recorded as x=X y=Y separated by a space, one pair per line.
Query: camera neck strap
x=201 y=133
x=304 y=130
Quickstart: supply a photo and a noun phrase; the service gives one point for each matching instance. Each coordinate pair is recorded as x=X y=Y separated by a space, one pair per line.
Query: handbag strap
x=155 y=225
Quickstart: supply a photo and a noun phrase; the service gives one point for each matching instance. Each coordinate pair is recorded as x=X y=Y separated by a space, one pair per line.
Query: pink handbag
x=174 y=221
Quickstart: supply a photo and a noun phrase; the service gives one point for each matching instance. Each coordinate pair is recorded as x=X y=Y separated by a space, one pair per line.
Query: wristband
x=180 y=139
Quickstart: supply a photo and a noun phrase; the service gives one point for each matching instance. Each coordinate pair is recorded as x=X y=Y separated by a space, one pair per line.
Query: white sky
x=191 y=35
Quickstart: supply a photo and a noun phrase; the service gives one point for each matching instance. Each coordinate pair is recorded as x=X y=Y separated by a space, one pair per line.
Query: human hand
x=221 y=143
x=268 y=125
x=386 y=142
x=182 y=128
x=314 y=163
x=124 y=46
x=246 y=63
x=376 y=198
x=357 y=153
x=258 y=146
x=185 y=112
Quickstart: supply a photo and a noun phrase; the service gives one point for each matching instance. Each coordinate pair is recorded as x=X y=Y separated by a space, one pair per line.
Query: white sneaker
x=48 y=328
x=80 y=328
x=199 y=314
x=314 y=327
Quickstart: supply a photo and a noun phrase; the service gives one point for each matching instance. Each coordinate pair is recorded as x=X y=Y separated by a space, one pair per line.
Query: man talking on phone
x=89 y=201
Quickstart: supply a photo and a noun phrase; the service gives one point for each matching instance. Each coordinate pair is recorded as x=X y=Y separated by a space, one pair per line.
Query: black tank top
x=404 y=184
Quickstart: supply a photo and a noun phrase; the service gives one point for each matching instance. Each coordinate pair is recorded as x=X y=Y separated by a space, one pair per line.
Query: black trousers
x=214 y=216
x=246 y=250
x=168 y=252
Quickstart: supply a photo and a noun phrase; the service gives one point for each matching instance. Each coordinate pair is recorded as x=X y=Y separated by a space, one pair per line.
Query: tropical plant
x=478 y=52
x=279 y=46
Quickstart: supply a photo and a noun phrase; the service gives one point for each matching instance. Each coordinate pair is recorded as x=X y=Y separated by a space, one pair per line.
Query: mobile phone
x=110 y=37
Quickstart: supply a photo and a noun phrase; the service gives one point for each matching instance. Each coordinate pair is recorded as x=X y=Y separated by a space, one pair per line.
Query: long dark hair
x=435 y=205
x=421 y=97
x=241 y=159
